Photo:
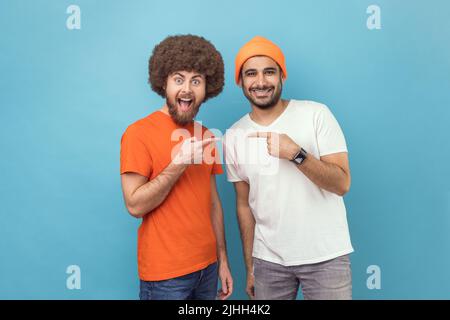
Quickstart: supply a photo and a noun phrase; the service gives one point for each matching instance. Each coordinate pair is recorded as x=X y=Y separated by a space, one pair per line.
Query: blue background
x=66 y=96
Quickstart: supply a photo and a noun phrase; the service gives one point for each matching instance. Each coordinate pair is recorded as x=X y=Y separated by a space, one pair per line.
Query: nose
x=260 y=80
x=186 y=87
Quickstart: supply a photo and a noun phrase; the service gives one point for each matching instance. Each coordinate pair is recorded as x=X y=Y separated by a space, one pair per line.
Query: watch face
x=300 y=157
x=299 y=160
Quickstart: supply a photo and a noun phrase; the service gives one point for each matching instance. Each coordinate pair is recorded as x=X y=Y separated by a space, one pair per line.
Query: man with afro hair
x=168 y=164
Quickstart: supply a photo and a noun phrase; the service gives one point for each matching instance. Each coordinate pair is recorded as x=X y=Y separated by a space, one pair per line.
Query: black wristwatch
x=300 y=156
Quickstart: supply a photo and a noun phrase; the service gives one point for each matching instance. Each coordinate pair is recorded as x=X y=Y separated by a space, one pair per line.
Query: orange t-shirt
x=177 y=237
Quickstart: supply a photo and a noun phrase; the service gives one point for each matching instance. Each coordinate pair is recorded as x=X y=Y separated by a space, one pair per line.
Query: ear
x=240 y=78
x=165 y=82
x=283 y=78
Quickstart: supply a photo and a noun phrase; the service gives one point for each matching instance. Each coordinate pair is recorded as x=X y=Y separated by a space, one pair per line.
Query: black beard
x=185 y=118
x=271 y=103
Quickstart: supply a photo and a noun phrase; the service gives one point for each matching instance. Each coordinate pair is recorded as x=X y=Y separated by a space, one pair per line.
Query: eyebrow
x=179 y=74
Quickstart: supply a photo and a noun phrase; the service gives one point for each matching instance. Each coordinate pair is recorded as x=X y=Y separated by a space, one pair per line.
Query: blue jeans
x=199 y=285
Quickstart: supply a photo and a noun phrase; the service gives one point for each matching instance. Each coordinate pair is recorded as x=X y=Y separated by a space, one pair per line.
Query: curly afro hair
x=186 y=53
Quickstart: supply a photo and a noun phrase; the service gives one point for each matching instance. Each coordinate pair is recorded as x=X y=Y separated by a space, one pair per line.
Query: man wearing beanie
x=168 y=167
x=289 y=165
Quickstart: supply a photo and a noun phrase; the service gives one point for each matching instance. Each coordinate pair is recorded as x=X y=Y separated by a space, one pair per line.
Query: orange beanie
x=259 y=46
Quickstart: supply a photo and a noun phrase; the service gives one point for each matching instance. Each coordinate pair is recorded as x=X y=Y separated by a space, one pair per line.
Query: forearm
x=325 y=175
x=247 y=230
x=219 y=231
x=153 y=193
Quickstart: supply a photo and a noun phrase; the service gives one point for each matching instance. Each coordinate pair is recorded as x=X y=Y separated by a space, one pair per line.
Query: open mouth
x=184 y=104
x=261 y=93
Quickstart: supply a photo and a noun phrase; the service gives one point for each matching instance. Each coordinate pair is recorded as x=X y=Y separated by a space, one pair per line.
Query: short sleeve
x=330 y=138
x=230 y=159
x=134 y=155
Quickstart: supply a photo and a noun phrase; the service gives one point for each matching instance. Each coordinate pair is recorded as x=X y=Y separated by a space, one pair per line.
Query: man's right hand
x=250 y=289
x=191 y=151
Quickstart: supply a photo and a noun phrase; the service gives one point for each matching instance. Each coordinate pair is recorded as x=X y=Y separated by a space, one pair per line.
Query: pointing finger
x=209 y=140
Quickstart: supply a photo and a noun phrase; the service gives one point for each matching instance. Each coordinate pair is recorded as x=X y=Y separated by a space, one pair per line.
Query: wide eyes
x=180 y=81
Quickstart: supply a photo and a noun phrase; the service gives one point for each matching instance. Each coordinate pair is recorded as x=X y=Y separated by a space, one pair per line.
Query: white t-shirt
x=296 y=221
